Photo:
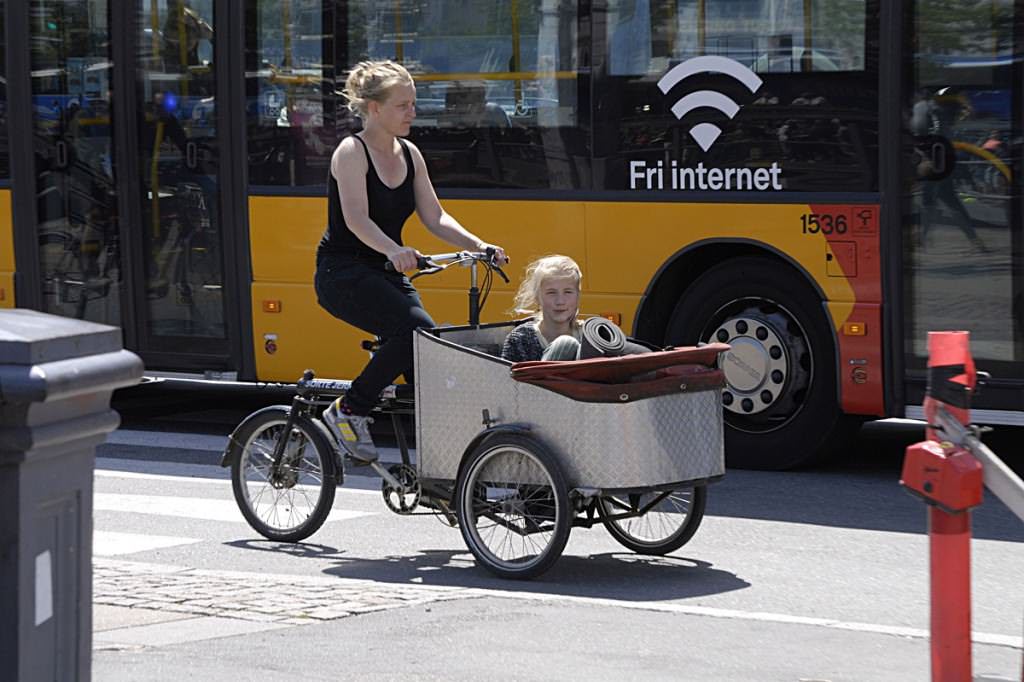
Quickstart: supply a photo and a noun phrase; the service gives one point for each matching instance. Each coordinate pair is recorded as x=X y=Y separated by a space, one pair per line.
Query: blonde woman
x=377 y=179
x=550 y=291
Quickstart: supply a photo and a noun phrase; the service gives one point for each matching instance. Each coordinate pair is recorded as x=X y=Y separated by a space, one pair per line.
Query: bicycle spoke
x=658 y=523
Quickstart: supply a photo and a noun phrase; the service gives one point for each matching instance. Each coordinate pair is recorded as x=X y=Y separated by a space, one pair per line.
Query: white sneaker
x=352 y=432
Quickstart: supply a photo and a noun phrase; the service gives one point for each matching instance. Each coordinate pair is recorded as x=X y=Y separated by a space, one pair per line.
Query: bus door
x=962 y=220
x=130 y=219
x=181 y=306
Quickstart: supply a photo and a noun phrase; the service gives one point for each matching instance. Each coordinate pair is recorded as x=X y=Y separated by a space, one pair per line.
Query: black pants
x=378 y=302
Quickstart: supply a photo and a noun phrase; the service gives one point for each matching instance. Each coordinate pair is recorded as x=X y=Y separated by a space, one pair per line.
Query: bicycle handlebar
x=428 y=265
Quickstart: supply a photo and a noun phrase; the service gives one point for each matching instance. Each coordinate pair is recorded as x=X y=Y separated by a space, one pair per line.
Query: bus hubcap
x=757 y=366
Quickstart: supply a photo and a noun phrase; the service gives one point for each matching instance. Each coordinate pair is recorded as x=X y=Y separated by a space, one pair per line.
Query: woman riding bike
x=377 y=179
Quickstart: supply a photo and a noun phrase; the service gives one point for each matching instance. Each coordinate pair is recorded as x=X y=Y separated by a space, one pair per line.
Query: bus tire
x=781 y=399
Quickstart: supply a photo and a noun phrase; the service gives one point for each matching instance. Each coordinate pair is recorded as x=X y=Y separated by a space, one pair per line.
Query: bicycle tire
x=257 y=437
x=512 y=482
x=680 y=525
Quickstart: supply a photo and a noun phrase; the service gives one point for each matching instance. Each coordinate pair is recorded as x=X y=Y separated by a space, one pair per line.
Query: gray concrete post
x=56 y=377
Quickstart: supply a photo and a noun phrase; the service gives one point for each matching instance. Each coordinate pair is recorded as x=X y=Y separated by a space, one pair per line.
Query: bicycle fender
x=234 y=448
x=514 y=427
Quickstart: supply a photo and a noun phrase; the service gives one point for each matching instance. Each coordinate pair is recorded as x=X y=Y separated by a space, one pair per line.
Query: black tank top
x=389 y=209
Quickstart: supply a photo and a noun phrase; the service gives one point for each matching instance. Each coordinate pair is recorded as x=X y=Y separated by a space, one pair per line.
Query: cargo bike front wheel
x=654 y=522
x=513 y=506
x=290 y=500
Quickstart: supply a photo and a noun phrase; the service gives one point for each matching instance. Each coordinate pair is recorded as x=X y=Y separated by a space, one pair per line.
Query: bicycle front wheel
x=513 y=506
x=290 y=502
x=668 y=524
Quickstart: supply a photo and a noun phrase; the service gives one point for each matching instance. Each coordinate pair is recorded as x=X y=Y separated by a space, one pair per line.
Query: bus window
x=962 y=231
x=293 y=111
x=497 y=87
x=812 y=113
x=768 y=36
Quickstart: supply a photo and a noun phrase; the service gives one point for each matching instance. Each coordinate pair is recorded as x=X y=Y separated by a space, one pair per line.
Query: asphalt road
x=815 y=575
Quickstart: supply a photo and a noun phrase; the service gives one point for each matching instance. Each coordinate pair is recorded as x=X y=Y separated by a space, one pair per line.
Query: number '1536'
x=825 y=223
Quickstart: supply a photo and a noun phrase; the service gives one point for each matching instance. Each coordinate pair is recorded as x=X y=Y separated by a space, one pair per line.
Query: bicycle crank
x=404 y=497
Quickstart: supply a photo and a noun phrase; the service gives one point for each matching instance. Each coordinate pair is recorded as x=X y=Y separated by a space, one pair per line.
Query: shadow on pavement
x=621 y=576
x=625 y=576
x=862 y=489
x=844 y=501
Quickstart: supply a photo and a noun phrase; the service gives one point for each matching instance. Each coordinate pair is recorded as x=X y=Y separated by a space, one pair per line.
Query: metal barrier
x=949 y=471
x=998 y=478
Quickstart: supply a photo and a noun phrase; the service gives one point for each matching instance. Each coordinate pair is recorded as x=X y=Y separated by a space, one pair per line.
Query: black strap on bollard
x=941 y=386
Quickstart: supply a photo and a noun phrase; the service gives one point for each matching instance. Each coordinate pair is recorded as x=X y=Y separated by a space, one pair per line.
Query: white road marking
x=761 y=616
x=107 y=467
x=112 y=543
x=189 y=507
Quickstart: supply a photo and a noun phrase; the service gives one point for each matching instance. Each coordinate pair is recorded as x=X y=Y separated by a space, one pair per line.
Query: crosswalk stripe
x=108 y=467
x=113 y=543
x=168 y=439
x=188 y=507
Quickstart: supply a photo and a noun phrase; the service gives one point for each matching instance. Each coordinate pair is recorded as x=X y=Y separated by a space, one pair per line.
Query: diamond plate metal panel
x=649 y=442
x=510 y=466
x=453 y=386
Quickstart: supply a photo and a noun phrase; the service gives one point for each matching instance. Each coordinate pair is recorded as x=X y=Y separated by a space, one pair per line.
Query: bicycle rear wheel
x=291 y=502
x=664 y=528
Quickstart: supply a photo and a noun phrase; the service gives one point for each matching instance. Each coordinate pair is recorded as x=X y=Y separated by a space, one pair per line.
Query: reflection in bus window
x=497 y=87
x=768 y=36
x=178 y=161
x=961 y=259
x=77 y=221
x=295 y=116
x=821 y=130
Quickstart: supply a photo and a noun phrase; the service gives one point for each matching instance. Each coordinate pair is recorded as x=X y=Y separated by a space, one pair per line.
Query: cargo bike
x=513 y=455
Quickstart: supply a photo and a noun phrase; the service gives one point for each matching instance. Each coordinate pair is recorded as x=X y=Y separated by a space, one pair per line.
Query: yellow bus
x=816 y=182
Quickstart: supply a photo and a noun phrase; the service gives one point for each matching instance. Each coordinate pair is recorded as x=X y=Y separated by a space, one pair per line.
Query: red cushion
x=630 y=377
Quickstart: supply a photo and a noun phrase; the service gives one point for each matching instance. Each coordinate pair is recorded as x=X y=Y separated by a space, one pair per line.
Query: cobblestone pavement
x=265 y=598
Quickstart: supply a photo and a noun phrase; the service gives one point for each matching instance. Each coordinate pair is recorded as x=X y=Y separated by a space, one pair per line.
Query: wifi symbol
x=706 y=133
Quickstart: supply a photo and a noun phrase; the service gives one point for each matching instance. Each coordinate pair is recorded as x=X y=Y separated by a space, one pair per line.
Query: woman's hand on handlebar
x=405 y=258
x=499 y=253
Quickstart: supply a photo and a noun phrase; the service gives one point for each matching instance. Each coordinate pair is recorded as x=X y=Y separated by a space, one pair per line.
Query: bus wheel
x=780 y=399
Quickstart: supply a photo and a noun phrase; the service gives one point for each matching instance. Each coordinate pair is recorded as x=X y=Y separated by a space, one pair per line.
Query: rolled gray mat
x=601 y=338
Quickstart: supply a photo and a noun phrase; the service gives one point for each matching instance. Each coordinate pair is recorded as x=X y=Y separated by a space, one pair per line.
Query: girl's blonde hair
x=371 y=81
x=527 y=299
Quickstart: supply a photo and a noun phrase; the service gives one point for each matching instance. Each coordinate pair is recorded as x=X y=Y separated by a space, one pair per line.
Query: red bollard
x=951 y=377
x=950 y=480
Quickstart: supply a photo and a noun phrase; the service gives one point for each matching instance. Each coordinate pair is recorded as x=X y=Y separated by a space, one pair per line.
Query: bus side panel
x=853 y=242
x=6 y=251
x=628 y=242
x=835 y=245
x=283 y=234
x=860 y=358
x=292 y=332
